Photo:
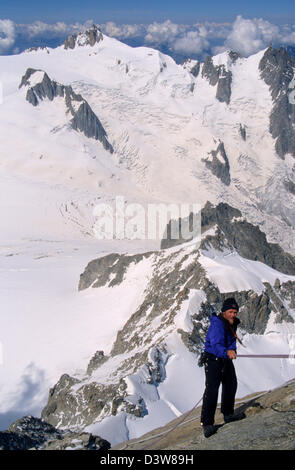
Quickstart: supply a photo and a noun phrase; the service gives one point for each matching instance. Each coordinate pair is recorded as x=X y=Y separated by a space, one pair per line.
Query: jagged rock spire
x=90 y=37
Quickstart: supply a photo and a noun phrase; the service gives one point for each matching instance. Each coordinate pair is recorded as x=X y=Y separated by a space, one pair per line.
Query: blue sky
x=144 y=11
x=180 y=28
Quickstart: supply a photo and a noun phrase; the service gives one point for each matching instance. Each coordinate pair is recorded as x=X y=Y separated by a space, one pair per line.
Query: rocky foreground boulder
x=269 y=425
x=30 y=433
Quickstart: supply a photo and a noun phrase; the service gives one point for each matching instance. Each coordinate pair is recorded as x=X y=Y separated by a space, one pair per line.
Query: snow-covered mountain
x=94 y=119
x=227 y=127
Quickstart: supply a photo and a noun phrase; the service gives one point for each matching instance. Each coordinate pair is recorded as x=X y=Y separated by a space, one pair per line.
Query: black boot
x=209 y=430
x=234 y=417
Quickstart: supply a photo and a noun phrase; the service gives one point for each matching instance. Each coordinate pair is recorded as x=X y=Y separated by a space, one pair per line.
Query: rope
x=185 y=415
x=165 y=433
x=182 y=422
x=269 y=356
x=188 y=413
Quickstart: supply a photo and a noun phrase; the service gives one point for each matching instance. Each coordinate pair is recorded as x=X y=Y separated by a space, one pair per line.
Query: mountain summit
x=90 y=37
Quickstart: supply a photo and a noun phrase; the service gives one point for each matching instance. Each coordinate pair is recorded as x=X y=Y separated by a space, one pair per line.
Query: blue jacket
x=219 y=338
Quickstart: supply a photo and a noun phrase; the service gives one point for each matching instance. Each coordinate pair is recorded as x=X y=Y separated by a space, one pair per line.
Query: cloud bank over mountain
x=245 y=36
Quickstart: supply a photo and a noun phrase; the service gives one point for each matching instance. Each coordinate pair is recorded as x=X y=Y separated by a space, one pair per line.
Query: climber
x=220 y=351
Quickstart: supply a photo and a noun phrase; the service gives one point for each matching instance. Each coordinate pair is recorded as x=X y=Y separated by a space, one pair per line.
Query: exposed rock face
x=84 y=119
x=108 y=270
x=210 y=71
x=39 y=48
x=90 y=37
x=219 y=166
x=236 y=233
x=217 y=74
x=277 y=70
x=68 y=408
x=34 y=433
x=234 y=56
x=243 y=132
x=290 y=186
x=78 y=441
x=96 y=361
x=193 y=66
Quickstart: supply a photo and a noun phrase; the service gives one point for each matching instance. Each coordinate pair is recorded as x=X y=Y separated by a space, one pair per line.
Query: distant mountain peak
x=88 y=38
x=40 y=86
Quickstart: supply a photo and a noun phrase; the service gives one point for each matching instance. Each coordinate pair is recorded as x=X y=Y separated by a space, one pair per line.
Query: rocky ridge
x=83 y=118
x=219 y=166
x=88 y=38
x=218 y=75
x=277 y=70
x=140 y=353
x=30 y=433
x=235 y=233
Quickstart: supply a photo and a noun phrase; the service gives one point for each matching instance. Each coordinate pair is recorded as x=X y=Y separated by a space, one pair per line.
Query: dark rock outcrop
x=243 y=132
x=290 y=186
x=219 y=169
x=277 y=70
x=66 y=407
x=96 y=361
x=234 y=56
x=84 y=119
x=192 y=66
x=108 y=269
x=33 y=433
x=217 y=74
x=236 y=233
x=90 y=37
x=210 y=71
x=78 y=441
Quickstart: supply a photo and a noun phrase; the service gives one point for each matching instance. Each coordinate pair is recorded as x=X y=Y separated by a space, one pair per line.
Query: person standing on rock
x=220 y=351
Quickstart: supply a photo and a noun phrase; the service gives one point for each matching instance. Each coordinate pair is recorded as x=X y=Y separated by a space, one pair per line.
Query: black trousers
x=218 y=371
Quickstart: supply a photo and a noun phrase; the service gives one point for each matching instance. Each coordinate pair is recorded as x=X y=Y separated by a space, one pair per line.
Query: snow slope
x=161 y=121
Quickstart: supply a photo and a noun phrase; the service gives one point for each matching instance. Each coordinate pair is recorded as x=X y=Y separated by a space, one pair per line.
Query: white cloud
x=250 y=36
x=122 y=31
x=192 y=42
x=178 y=37
x=215 y=30
x=59 y=29
x=288 y=34
x=246 y=36
x=7 y=35
x=165 y=32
